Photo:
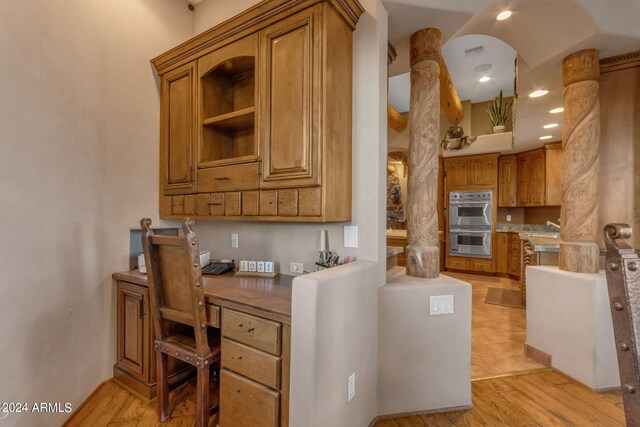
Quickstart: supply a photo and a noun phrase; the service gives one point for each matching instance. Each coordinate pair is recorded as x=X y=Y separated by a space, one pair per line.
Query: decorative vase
x=498 y=129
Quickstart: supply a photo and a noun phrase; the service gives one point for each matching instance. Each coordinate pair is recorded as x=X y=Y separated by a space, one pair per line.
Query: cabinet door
x=537 y=183
x=524 y=176
x=507 y=183
x=485 y=171
x=178 y=129
x=133 y=340
x=458 y=173
x=290 y=108
x=553 y=172
x=503 y=252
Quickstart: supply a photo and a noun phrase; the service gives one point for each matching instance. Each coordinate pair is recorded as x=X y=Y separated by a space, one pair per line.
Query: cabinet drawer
x=216 y=204
x=177 y=205
x=288 y=202
x=457 y=263
x=254 y=364
x=190 y=204
x=481 y=265
x=310 y=201
x=232 y=204
x=250 y=203
x=269 y=203
x=244 y=403
x=226 y=178
x=514 y=265
x=202 y=205
x=514 y=239
x=213 y=315
x=254 y=331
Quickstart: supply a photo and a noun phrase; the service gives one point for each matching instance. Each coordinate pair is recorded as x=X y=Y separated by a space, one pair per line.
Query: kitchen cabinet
x=553 y=174
x=471 y=173
x=508 y=250
x=178 y=130
x=507 y=181
x=530 y=172
x=260 y=106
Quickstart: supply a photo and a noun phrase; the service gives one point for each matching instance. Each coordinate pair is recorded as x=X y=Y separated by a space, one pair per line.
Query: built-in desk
x=254 y=315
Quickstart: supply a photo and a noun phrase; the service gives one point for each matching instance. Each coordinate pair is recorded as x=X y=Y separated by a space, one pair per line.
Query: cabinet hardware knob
x=250 y=330
x=632 y=266
x=618 y=306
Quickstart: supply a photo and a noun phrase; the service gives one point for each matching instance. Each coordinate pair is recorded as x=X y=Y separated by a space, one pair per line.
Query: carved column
x=422 y=215
x=580 y=139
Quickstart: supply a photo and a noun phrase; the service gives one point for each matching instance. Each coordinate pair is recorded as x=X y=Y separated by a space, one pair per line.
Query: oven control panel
x=470 y=196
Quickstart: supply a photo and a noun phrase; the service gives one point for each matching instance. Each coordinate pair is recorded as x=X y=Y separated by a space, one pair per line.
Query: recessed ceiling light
x=546 y=137
x=537 y=93
x=484 y=79
x=550 y=125
x=505 y=14
x=557 y=110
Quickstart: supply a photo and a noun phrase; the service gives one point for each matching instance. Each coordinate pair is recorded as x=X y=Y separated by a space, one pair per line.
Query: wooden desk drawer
x=244 y=403
x=254 y=364
x=213 y=315
x=254 y=331
x=228 y=178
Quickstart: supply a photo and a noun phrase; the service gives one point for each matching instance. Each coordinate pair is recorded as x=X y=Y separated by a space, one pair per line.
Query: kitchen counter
x=542 y=237
x=394 y=250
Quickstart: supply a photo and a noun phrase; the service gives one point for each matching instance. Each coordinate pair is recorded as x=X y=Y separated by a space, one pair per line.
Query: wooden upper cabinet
x=261 y=104
x=537 y=184
x=507 y=181
x=485 y=171
x=524 y=174
x=458 y=173
x=178 y=129
x=553 y=174
x=290 y=60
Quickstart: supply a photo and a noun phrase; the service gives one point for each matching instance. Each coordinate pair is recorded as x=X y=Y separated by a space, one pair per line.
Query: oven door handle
x=470 y=231
x=457 y=202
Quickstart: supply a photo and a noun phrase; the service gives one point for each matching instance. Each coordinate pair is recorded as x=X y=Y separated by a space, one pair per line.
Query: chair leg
x=162 y=385
x=202 y=397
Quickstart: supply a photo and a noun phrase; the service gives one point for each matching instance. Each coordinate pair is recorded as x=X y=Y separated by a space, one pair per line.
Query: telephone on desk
x=221 y=267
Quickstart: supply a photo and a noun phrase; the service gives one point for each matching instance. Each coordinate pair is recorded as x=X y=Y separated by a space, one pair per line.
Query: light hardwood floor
x=545 y=398
x=497 y=333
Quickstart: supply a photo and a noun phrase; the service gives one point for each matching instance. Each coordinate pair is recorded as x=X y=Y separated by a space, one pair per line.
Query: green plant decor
x=499 y=111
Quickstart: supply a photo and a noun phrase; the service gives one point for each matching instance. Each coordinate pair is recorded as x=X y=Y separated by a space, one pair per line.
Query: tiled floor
x=497 y=333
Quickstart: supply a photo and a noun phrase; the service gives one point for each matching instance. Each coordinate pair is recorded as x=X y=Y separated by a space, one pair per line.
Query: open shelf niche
x=228 y=112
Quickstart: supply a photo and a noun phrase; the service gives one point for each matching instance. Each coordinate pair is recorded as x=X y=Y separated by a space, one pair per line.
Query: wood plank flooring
x=497 y=333
x=546 y=398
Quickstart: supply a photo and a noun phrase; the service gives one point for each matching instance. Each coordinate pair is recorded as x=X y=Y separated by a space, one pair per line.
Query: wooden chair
x=177 y=299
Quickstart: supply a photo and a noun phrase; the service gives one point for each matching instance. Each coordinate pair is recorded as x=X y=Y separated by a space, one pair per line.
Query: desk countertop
x=272 y=295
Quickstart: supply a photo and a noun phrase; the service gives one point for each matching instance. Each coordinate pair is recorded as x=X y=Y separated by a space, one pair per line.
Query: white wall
x=78 y=166
x=300 y=242
x=333 y=335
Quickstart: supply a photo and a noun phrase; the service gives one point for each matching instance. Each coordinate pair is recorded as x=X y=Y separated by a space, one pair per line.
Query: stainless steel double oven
x=470 y=219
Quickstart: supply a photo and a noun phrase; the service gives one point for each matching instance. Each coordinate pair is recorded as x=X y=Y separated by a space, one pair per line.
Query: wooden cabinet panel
x=177 y=205
x=524 y=175
x=458 y=263
x=254 y=331
x=507 y=181
x=202 y=205
x=553 y=174
x=502 y=262
x=483 y=265
x=485 y=171
x=178 y=130
x=250 y=203
x=245 y=403
x=232 y=204
x=133 y=330
x=288 y=202
x=216 y=205
x=458 y=173
x=251 y=363
x=537 y=184
x=213 y=315
x=310 y=201
x=190 y=204
x=269 y=203
x=514 y=265
x=229 y=178
x=289 y=109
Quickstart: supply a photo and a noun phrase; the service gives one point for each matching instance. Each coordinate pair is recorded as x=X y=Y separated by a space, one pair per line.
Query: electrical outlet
x=296 y=267
x=351 y=387
x=508 y=218
x=234 y=241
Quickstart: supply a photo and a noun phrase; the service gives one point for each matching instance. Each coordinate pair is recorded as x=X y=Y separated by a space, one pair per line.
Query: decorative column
x=580 y=138
x=422 y=214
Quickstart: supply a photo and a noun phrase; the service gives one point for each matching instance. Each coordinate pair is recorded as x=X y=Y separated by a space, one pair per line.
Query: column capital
x=580 y=66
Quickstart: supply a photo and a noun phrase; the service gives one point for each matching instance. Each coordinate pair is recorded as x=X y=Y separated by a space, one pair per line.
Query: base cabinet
x=508 y=253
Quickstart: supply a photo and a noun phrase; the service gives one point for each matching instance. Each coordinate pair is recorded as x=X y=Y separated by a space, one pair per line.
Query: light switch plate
x=351 y=387
x=509 y=218
x=440 y=304
x=350 y=236
x=234 y=241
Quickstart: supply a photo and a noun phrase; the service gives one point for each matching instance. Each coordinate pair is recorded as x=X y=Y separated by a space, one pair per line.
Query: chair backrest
x=622 y=266
x=175 y=282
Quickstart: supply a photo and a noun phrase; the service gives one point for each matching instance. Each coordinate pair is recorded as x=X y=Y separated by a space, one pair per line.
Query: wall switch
x=296 y=267
x=234 y=241
x=350 y=236
x=440 y=304
x=351 y=387
x=508 y=218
